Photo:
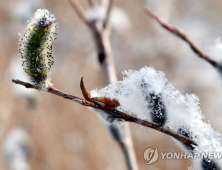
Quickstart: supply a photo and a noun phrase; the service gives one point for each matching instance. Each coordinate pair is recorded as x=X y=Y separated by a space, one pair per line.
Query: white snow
x=182 y=111
x=43 y=13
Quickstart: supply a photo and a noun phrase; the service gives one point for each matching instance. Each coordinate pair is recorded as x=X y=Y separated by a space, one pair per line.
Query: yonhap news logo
x=151 y=155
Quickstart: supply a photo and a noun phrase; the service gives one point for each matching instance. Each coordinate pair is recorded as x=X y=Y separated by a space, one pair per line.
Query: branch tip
x=27 y=85
x=181 y=34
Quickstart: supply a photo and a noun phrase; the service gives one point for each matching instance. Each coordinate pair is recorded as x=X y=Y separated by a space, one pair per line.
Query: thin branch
x=101 y=32
x=181 y=34
x=121 y=135
x=108 y=12
x=110 y=110
x=25 y=84
x=79 y=10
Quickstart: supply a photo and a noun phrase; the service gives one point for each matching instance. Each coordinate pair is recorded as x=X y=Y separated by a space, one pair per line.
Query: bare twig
x=180 y=33
x=100 y=29
x=79 y=10
x=25 y=84
x=101 y=32
x=110 y=110
x=108 y=12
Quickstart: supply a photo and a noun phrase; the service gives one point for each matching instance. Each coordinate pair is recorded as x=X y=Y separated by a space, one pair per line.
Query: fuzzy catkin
x=35 y=47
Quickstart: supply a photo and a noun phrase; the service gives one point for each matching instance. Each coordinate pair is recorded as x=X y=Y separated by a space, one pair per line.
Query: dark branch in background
x=100 y=29
x=123 y=116
x=181 y=34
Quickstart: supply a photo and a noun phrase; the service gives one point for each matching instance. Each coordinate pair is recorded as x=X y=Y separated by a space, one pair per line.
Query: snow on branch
x=143 y=97
x=147 y=95
x=110 y=110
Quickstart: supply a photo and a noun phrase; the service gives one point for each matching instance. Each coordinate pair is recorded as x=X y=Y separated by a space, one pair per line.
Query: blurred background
x=60 y=134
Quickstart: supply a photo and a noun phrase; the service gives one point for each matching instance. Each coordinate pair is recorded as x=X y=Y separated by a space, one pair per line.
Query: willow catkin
x=35 y=47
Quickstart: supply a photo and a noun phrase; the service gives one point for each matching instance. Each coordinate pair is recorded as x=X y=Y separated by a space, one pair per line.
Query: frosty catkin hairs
x=205 y=163
x=35 y=47
x=154 y=103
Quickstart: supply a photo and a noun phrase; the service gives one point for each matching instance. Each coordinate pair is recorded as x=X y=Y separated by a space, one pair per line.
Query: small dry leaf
x=105 y=100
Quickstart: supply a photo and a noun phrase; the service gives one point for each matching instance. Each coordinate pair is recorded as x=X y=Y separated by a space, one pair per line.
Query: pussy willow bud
x=155 y=104
x=36 y=47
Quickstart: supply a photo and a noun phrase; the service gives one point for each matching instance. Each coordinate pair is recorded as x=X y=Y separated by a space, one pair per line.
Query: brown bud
x=105 y=100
